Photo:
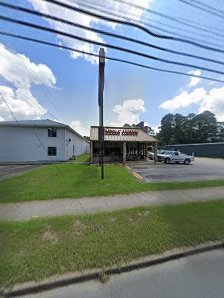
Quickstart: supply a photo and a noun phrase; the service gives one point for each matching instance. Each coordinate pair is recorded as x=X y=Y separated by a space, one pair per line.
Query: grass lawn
x=81 y=158
x=78 y=180
x=39 y=248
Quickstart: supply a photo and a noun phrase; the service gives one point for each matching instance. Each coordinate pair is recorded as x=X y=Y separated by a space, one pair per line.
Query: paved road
x=8 y=171
x=201 y=169
x=27 y=210
x=198 y=276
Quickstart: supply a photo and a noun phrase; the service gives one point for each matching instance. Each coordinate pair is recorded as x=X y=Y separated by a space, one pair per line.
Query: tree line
x=193 y=128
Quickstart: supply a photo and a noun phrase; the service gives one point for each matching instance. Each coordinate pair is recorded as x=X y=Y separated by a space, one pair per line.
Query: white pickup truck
x=178 y=157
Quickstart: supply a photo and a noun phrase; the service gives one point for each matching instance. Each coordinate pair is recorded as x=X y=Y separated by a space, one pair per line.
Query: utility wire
x=215 y=29
x=144 y=9
x=39 y=82
x=209 y=6
x=119 y=21
x=11 y=112
x=118 y=48
x=107 y=57
x=101 y=8
x=201 y=7
x=147 y=22
x=214 y=33
x=122 y=37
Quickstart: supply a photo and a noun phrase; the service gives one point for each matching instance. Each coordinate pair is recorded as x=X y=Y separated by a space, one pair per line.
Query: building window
x=52 y=132
x=52 y=151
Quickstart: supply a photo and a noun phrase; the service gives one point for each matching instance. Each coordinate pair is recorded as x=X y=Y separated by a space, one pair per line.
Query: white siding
x=80 y=146
x=20 y=144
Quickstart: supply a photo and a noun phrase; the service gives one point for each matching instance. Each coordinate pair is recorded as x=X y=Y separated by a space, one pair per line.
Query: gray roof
x=141 y=136
x=40 y=123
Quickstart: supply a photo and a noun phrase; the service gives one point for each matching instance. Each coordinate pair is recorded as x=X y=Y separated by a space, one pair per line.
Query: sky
x=42 y=82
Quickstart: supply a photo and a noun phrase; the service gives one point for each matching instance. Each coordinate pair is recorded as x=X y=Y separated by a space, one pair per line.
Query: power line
x=119 y=21
x=211 y=7
x=11 y=112
x=33 y=12
x=29 y=103
x=102 y=9
x=201 y=7
x=39 y=82
x=107 y=57
x=188 y=23
x=203 y=25
x=118 y=48
x=36 y=79
x=144 y=9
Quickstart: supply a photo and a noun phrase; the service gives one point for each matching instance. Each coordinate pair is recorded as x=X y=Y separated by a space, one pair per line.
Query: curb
x=136 y=175
x=67 y=279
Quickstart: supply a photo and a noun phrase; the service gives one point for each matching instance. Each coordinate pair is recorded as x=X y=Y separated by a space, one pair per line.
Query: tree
x=87 y=138
x=167 y=130
x=181 y=125
x=127 y=125
x=220 y=128
x=204 y=128
x=179 y=129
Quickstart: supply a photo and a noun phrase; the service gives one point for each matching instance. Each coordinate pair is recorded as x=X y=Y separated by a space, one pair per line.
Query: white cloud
x=212 y=100
x=77 y=126
x=194 y=81
x=21 y=103
x=85 y=20
x=184 y=99
x=156 y=128
x=128 y=112
x=19 y=71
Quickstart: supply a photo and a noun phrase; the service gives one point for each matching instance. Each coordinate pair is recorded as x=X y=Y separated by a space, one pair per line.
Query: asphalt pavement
x=198 y=276
x=201 y=169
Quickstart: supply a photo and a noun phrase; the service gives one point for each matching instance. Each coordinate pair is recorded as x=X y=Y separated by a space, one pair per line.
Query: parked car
x=162 y=153
x=151 y=155
x=177 y=157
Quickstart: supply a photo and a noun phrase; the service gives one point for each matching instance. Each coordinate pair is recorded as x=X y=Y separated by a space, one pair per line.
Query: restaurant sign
x=123 y=132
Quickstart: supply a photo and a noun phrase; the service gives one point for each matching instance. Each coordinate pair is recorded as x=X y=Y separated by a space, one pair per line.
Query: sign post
x=100 y=103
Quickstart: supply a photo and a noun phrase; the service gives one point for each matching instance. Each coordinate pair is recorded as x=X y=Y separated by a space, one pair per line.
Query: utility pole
x=100 y=103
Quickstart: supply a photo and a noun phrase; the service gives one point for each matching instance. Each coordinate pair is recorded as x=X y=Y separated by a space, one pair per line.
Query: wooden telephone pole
x=100 y=103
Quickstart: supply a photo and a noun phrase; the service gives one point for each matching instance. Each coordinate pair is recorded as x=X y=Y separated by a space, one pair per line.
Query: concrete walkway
x=28 y=210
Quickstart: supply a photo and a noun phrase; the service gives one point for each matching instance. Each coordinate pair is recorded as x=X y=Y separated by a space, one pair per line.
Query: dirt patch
x=145 y=213
x=50 y=235
x=78 y=227
x=132 y=220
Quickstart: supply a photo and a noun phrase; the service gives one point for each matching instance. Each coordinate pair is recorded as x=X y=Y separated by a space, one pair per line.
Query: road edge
x=94 y=274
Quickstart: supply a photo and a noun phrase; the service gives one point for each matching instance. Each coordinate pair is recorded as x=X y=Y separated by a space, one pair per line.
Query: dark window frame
x=52 y=151
x=52 y=132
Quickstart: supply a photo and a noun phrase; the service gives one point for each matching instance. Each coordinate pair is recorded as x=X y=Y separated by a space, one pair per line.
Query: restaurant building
x=121 y=144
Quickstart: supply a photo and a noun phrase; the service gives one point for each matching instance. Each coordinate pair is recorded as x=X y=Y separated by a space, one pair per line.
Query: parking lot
x=201 y=169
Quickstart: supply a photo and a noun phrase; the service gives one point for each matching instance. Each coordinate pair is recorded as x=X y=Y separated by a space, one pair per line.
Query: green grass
x=81 y=158
x=77 y=180
x=40 y=248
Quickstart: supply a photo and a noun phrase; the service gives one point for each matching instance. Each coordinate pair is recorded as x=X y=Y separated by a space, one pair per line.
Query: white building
x=39 y=141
